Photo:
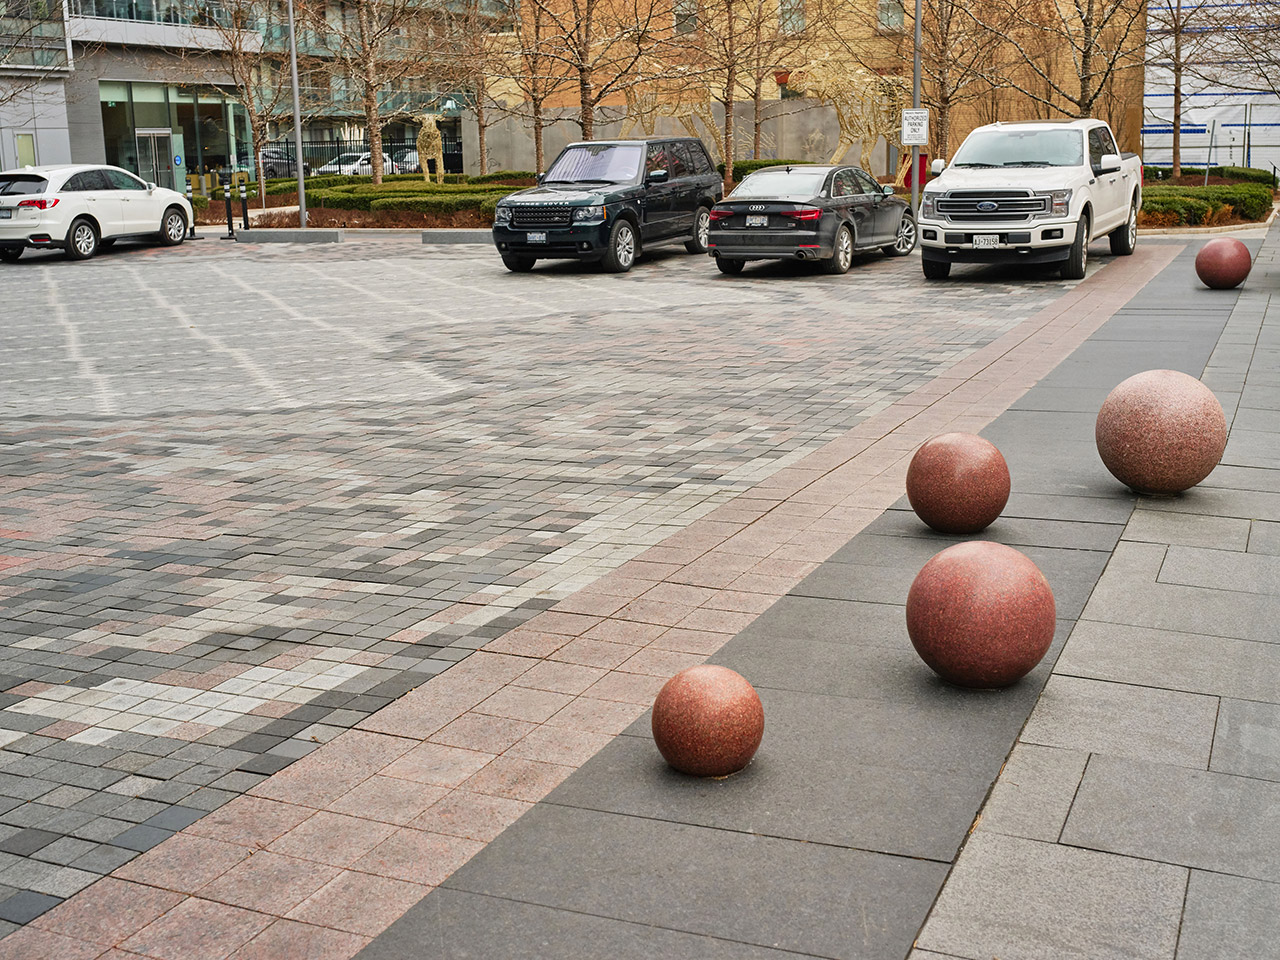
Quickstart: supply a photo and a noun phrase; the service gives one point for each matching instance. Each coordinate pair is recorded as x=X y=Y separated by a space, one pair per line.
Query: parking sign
x=915 y=128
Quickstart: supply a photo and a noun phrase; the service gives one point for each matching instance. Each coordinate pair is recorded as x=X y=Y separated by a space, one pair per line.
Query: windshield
x=22 y=183
x=605 y=162
x=803 y=184
x=1022 y=148
x=347 y=158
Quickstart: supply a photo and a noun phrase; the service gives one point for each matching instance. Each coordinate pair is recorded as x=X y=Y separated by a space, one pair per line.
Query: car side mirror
x=888 y=189
x=937 y=166
x=541 y=177
x=151 y=187
x=1109 y=163
x=656 y=176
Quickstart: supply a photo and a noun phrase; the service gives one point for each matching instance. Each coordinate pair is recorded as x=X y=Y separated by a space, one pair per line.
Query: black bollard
x=191 y=233
x=225 y=179
x=244 y=205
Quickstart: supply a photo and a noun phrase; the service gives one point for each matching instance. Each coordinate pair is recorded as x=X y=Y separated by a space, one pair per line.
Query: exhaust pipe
x=799 y=254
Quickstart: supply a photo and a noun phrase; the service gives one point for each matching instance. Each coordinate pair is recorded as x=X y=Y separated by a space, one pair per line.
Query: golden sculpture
x=430 y=147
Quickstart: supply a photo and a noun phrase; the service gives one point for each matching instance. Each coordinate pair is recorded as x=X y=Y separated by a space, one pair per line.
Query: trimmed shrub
x=504 y=175
x=439 y=203
x=199 y=203
x=1252 y=201
x=1177 y=210
x=1249 y=174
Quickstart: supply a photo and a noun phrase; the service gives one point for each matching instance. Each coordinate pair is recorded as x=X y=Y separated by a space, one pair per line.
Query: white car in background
x=84 y=208
x=356 y=164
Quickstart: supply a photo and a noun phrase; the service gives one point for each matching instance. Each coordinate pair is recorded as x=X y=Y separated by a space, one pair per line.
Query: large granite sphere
x=1223 y=263
x=1161 y=432
x=708 y=721
x=958 y=483
x=980 y=614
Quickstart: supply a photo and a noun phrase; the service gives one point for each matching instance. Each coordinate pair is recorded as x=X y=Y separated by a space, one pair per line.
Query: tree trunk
x=481 y=126
x=1177 y=93
x=537 y=135
x=730 y=83
x=943 y=129
x=586 y=106
x=258 y=130
x=369 y=76
x=757 y=117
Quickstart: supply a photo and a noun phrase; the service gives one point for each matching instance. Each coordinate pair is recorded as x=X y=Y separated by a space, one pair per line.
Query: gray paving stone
x=48 y=878
x=1227 y=918
x=483 y=927
x=1220 y=570
x=770 y=892
x=1247 y=741
x=1196 y=818
x=1188 y=529
x=104 y=858
x=25 y=906
x=1020 y=899
x=1033 y=794
x=1264 y=537
x=1096 y=716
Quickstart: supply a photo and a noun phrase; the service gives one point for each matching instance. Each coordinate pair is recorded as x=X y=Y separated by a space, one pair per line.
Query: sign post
x=915 y=134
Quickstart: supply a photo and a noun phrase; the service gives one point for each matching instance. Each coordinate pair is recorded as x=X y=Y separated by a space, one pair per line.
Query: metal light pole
x=915 y=104
x=297 y=124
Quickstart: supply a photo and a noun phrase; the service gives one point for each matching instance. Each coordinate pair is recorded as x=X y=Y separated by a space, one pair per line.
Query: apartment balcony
x=178 y=24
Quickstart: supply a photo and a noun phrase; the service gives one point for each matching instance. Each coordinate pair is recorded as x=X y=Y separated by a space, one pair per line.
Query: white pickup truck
x=1033 y=192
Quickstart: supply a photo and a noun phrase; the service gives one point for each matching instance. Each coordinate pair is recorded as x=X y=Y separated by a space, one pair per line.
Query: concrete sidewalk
x=1136 y=816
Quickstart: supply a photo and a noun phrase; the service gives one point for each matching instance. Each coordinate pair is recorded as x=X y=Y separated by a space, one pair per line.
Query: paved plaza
x=325 y=568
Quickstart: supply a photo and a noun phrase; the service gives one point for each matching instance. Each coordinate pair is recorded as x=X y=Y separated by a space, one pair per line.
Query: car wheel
x=905 y=241
x=725 y=265
x=841 y=258
x=519 y=264
x=701 y=231
x=82 y=239
x=1078 y=258
x=173 y=229
x=1124 y=240
x=936 y=269
x=622 y=250
x=10 y=254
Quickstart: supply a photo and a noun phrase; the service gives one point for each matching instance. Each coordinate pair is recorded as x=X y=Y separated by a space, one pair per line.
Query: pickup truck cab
x=1033 y=192
x=606 y=200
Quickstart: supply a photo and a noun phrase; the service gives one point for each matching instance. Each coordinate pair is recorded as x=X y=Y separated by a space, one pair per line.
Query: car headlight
x=502 y=214
x=1059 y=201
x=595 y=213
x=929 y=205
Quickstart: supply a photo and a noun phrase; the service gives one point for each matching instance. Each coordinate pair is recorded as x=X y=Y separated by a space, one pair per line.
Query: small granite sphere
x=981 y=615
x=1223 y=263
x=1161 y=432
x=708 y=721
x=958 y=483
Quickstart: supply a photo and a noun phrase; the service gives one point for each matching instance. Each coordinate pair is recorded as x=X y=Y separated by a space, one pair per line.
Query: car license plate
x=985 y=240
x=5 y=213
x=540 y=237
x=761 y=220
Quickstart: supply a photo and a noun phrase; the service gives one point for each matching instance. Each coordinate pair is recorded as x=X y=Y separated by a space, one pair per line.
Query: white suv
x=82 y=209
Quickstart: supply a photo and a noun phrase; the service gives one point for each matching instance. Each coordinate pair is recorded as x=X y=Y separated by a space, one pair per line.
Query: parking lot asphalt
x=255 y=496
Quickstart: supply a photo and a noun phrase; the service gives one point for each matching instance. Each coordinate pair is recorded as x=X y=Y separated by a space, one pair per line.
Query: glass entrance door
x=155 y=157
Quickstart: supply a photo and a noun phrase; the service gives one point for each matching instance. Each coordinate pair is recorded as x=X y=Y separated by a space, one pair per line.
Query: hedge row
x=503 y=175
x=277 y=185
x=1194 y=205
x=1250 y=174
x=423 y=202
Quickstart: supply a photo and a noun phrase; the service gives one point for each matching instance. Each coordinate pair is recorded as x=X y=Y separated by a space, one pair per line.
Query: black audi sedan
x=808 y=212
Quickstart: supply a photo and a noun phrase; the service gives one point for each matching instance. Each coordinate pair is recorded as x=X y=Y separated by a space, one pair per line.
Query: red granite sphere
x=708 y=721
x=1223 y=263
x=980 y=614
x=958 y=483
x=1161 y=432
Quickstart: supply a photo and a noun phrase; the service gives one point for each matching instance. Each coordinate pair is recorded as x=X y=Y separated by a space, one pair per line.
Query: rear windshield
x=605 y=162
x=11 y=183
x=800 y=184
x=1021 y=148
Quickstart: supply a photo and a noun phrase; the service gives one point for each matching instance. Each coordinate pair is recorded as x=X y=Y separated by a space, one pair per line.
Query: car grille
x=542 y=215
x=962 y=206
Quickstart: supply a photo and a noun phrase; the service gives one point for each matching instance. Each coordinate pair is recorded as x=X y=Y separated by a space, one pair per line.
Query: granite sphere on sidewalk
x=980 y=614
x=708 y=721
x=958 y=483
x=1161 y=432
x=1223 y=263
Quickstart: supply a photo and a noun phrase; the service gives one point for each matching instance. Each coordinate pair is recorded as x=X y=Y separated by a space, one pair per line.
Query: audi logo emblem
x=987 y=206
x=757 y=206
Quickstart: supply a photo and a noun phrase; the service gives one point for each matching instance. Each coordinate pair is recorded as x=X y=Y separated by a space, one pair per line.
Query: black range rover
x=606 y=200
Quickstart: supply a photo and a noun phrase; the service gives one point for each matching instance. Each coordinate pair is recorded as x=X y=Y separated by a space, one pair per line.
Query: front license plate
x=761 y=220
x=535 y=237
x=5 y=213
x=985 y=240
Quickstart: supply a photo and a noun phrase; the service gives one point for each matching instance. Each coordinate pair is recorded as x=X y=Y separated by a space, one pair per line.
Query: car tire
x=936 y=269
x=841 y=258
x=701 y=231
x=10 y=254
x=731 y=267
x=519 y=264
x=1124 y=240
x=173 y=227
x=82 y=239
x=623 y=248
x=905 y=239
x=1078 y=258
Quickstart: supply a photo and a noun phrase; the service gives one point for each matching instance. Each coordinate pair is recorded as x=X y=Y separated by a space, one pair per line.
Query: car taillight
x=804 y=213
x=39 y=204
x=721 y=214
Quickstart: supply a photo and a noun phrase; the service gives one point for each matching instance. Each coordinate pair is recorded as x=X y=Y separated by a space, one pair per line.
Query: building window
x=686 y=16
x=791 y=16
x=890 y=16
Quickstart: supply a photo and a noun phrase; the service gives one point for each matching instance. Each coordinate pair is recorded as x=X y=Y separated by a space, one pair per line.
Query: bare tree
x=33 y=46
x=1102 y=38
x=527 y=67
x=780 y=41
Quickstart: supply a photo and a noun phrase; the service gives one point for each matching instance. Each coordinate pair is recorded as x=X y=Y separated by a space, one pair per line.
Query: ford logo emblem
x=986 y=206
